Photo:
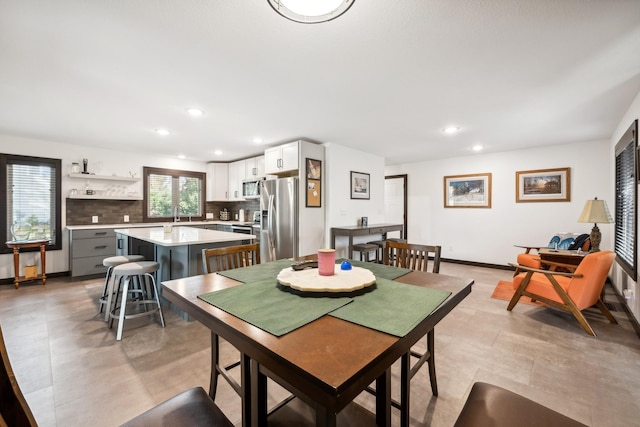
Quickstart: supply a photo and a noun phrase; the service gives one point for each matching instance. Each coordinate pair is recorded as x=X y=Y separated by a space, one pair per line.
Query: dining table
x=329 y=359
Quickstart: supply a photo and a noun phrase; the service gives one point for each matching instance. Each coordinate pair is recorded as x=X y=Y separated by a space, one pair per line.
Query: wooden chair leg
x=603 y=308
x=431 y=362
x=518 y=293
x=215 y=357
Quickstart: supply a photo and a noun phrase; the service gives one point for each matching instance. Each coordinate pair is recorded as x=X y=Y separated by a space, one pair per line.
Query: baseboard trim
x=623 y=302
x=477 y=264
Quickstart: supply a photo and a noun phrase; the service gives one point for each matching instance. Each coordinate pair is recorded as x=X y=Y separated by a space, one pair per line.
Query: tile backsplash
x=80 y=211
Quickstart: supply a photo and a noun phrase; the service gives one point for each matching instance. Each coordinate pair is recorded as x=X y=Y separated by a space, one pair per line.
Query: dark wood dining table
x=327 y=362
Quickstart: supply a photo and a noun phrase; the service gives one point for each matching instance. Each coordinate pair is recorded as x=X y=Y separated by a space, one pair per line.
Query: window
x=32 y=204
x=626 y=196
x=170 y=193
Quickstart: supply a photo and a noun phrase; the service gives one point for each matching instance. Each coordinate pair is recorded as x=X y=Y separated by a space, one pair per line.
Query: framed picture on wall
x=360 y=184
x=467 y=191
x=543 y=185
x=314 y=179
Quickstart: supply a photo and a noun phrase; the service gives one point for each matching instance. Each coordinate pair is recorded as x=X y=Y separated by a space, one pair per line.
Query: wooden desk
x=359 y=355
x=16 y=260
x=368 y=230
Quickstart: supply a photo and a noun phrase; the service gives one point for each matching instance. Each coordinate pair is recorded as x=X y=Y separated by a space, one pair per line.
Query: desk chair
x=414 y=257
x=226 y=258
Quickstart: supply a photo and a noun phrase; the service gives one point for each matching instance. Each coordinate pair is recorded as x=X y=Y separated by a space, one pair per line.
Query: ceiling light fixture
x=182 y=156
x=477 y=148
x=311 y=11
x=218 y=152
x=451 y=130
x=195 y=112
x=162 y=132
x=257 y=140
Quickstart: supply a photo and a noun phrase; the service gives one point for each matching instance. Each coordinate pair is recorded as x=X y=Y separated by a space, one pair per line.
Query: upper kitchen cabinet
x=237 y=171
x=254 y=168
x=281 y=159
x=217 y=181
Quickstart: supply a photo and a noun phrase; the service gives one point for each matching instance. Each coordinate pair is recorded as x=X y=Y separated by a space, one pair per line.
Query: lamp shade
x=595 y=211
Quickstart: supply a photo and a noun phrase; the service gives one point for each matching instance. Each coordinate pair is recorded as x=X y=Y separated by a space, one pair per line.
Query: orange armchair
x=572 y=292
x=532 y=260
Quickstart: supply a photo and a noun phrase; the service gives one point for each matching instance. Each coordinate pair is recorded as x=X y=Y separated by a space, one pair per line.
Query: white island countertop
x=182 y=236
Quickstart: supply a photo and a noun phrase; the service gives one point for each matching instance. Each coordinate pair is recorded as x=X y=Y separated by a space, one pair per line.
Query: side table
x=16 y=260
x=561 y=256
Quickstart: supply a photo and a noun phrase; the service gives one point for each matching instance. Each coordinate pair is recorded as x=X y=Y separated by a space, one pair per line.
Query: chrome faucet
x=176 y=215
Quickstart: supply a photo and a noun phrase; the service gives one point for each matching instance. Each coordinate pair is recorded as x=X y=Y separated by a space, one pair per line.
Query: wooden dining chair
x=229 y=257
x=414 y=257
x=221 y=259
x=14 y=410
x=572 y=292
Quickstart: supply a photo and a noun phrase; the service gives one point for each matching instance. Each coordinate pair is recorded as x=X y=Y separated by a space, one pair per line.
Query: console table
x=16 y=246
x=367 y=230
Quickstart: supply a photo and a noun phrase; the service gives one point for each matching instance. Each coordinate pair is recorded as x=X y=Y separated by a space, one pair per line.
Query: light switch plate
x=126 y=218
x=94 y=219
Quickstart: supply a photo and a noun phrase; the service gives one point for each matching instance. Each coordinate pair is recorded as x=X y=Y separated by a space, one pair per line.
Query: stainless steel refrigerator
x=279 y=224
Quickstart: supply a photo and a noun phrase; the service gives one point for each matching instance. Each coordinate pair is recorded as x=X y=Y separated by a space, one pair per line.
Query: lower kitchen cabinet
x=87 y=249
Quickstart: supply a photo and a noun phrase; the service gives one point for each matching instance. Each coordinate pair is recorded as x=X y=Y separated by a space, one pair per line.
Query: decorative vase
x=20 y=231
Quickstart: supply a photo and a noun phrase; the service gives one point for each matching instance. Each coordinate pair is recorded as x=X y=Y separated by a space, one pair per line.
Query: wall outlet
x=94 y=219
x=126 y=218
x=209 y=215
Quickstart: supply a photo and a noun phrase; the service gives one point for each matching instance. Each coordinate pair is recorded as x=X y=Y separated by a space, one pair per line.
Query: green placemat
x=392 y=307
x=379 y=270
x=257 y=272
x=265 y=305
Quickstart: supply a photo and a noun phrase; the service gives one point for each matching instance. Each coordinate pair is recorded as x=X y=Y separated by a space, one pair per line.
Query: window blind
x=626 y=207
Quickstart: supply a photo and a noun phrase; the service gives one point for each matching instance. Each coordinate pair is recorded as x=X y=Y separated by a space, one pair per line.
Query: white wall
x=620 y=278
x=112 y=162
x=488 y=235
x=341 y=209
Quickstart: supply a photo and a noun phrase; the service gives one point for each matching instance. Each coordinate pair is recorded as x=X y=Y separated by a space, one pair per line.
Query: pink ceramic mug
x=326 y=261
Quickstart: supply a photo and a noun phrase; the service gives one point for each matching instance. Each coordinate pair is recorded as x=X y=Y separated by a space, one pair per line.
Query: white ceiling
x=385 y=78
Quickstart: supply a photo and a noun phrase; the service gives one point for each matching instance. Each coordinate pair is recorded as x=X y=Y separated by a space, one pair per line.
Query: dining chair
x=572 y=292
x=229 y=257
x=415 y=257
x=14 y=410
x=189 y=408
x=491 y=406
x=226 y=258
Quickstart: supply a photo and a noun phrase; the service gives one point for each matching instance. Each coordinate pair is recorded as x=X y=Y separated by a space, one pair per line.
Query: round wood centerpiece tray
x=310 y=280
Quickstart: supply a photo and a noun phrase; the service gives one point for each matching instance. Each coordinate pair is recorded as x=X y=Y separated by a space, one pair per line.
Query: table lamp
x=595 y=211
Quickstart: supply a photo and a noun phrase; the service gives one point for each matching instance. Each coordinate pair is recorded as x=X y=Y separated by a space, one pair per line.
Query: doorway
x=395 y=200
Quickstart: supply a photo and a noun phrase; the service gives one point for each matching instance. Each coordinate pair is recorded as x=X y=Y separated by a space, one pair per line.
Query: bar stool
x=366 y=249
x=140 y=269
x=111 y=262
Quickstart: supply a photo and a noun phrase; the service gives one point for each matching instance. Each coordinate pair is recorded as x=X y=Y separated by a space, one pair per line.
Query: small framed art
x=360 y=183
x=543 y=185
x=467 y=191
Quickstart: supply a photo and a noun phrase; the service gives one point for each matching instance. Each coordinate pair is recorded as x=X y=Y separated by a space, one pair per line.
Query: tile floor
x=74 y=373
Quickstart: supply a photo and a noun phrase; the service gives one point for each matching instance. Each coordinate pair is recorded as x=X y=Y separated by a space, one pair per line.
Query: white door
x=394 y=202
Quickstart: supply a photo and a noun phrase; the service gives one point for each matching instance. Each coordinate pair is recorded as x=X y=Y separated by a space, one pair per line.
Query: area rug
x=504 y=291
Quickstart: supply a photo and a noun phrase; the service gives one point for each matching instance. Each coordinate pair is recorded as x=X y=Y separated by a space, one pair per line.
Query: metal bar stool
x=142 y=269
x=113 y=261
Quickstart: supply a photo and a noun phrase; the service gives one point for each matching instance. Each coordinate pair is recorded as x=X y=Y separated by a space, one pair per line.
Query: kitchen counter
x=182 y=235
x=155 y=224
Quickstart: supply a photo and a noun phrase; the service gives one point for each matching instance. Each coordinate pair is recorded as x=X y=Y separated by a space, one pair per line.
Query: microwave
x=251 y=189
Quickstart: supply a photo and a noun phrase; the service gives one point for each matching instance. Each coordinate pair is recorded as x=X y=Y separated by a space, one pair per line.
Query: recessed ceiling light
x=477 y=148
x=218 y=152
x=257 y=140
x=451 y=129
x=195 y=112
x=311 y=11
x=162 y=132
x=182 y=156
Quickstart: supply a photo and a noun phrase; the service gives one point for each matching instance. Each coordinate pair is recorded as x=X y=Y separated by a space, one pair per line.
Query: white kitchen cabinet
x=281 y=159
x=237 y=172
x=254 y=168
x=217 y=181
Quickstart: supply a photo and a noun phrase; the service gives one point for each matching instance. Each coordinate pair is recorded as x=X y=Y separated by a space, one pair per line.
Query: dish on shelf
x=310 y=280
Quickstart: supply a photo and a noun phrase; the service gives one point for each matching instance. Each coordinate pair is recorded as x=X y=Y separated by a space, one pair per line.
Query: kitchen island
x=179 y=251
